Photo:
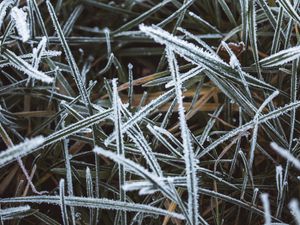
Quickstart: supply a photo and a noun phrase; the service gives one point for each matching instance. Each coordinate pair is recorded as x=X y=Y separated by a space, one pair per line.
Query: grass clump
x=149 y=112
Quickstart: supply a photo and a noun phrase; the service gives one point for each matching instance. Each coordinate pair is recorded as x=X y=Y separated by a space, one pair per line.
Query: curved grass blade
x=144 y=111
x=97 y=203
x=261 y=119
x=13 y=212
x=76 y=127
x=189 y=156
x=3 y=8
x=25 y=67
x=288 y=7
x=282 y=57
x=120 y=146
x=71 y=61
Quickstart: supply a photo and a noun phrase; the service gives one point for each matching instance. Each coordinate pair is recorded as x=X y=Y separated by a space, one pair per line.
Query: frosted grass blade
x=25 y=67
x=286 y=154
x=3 y=8
x=253 y=35
x=20 y=19
x=13 y=212
x=142 y=144
x=262 y=119
x=282 y=57
x=255 y=130
x=38 y=52
x=266 y=203
x=141 y=18
x=245 y=24
x=39 y=18
x=198 y=56
x=62 y=204
x=189 y=157
x=143 y=112
x=90 y=192
x=198 y=18
x=288 y=7
x=136 y=168
x=117 y=117
x=76 y=127
x=71 y=61
x=20 y=150
x=97 y=203
x=69 y=178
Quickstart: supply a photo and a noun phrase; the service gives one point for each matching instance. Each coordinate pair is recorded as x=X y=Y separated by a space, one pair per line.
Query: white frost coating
x=279 y=180
x=120 y=144
x=286 y=154
x=137 y=169
x=99 y=203
x=78 y=126
x=266 y=102
x=189 y=157
x=89 y=181
x=235 y=64
x=22 y=65
x=255 y=130
x=159 y=137
x=20 y=150
x=294 y=207
x=204 y=21
x=46 y=53
x=38 y=52
x=68 y=166
x=28 y=57
x=142 y=144
x=133 y=186
x=63 y=207
x=242 y=129
x=186 y=76
x=169 y=135
x=198 y=40
x=117 y=118
x=107 y=38
x=3 y=7
x=8 y=212
x=281 y=57
x=69 y=56
x=182 y=47
x=142 y=113
x=266 y=204
x=20 y=19
x=132 y=166
x=288 y=7
x=195 y=55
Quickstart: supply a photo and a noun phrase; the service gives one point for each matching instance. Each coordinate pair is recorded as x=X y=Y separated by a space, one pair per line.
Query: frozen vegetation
x=149 y=112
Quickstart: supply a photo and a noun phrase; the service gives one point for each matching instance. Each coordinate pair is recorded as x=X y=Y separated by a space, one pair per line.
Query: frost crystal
x=266 y=203
x=286 y=154
x=22 y=65
x=3 y=7
x=20 y=150
x=189 y=156
x=38 y=52
x=20 y=19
